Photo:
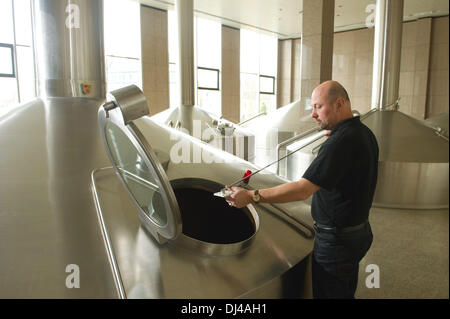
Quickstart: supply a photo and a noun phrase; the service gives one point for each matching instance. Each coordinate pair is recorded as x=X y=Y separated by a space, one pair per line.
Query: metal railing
x=253 y=117
x=294 y=139
x=304 y=134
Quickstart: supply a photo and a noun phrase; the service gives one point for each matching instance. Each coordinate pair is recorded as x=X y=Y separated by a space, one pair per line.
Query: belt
x=336 y=230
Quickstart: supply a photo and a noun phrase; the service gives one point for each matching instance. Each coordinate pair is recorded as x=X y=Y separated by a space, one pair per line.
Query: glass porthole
x=137 y=177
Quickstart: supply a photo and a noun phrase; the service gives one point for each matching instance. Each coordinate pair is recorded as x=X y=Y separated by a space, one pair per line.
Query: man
x=342 y=180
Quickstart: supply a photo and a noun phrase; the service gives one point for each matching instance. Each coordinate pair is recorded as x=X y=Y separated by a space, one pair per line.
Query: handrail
x=297 y=137
x=310 y=142
x=253 y=117
x=368 y=113
x=290 y=141
x=440 y=133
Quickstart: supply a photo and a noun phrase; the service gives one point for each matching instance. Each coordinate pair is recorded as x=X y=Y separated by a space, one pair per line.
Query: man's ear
x=339 y=104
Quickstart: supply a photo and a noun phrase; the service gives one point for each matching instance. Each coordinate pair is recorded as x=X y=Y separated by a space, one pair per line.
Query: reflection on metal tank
x=48 y=223
x=215 y=131
x=413 y=167
x=272 y=129
x=47 y=213
x=69 y=48
x=168 y=236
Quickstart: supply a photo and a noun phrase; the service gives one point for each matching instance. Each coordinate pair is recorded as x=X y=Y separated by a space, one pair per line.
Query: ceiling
x=283 y=17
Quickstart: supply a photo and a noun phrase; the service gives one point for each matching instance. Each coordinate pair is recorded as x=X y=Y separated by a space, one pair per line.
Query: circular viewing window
x=135 y=174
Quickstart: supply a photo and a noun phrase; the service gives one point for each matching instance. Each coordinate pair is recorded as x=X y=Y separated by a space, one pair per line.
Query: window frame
x=13 y=66
x=217 y=88
x=273 y=84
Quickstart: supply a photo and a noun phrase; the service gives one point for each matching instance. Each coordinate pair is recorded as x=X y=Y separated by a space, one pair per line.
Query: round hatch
x=139 y=170
x=185 y=209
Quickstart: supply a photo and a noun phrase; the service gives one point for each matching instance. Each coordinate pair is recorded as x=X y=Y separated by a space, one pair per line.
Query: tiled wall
x=296 y=69
x=155 y=59
x=284 y=72
x=352 y=65
x=414 y=67
x=437 y=95
x=231 y=74
x=423 y=87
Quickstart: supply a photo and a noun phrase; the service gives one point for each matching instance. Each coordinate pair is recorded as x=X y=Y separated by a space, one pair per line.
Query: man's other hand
x=240 y=197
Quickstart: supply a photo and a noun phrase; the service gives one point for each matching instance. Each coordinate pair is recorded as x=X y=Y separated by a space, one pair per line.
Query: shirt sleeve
x=330 y=165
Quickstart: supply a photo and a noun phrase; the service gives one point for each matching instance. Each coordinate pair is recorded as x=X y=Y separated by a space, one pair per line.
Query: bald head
x=333 y=90
x=331 y=104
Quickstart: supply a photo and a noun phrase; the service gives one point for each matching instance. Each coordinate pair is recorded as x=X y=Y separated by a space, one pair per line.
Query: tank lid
x=139 y=168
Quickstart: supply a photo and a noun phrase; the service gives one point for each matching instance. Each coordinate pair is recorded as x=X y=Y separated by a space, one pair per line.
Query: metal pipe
x=387 y=53
x=253 y=117
x=290 y=141
x=378 y=55
x=69 y=48
x=185 y=18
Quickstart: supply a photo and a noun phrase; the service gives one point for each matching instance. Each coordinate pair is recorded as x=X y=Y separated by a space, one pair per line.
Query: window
x=258 y=73
x=17 y=73
x=7 y=61
x=208 y=79
x=122 y=44
x=208 y=49
x=209 y=52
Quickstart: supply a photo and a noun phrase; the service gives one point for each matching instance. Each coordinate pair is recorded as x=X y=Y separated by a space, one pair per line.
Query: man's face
x=323 y=111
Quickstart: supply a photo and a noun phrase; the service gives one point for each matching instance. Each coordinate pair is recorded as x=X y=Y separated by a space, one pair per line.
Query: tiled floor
x=411 y=249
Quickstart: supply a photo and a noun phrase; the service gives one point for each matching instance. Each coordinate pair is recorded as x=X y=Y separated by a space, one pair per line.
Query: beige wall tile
x=406 y=83
x=439 y=82
x=439 y=27
x=439 y=56
x=230 y=73
x=154 y=55
x=408 y=58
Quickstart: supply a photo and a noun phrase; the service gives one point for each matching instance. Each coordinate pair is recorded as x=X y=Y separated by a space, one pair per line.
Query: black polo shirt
x=346 y=169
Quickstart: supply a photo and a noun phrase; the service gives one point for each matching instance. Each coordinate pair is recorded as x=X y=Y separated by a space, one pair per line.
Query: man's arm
x=289 y=192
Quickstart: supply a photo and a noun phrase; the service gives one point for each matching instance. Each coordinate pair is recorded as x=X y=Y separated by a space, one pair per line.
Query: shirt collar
x=344 y=123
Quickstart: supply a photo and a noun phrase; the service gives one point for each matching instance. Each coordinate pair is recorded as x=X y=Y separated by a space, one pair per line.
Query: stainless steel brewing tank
x=413 y=167
x=169 y=237
x=218 y=132
x=274 y=128
x=48 y=223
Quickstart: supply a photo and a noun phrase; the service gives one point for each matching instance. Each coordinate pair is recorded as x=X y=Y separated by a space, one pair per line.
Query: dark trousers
x=335 y=262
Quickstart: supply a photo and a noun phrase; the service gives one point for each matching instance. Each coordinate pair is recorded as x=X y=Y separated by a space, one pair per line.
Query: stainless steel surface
x=183 y=268
x=252 y=118
x=439 y=123
x=137 y=166
x=47 y=213
x=131 y=101
x=402 y=138
x=205 y=126
x=413 y=165
x=275 y=128
x=290 y=141
x=70 y=55
x=185 y=18
x=378 y=52
x=387 y=53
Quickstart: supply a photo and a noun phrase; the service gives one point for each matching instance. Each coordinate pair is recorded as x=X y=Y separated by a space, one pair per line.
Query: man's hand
x=240 y=197
x=327 y=133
